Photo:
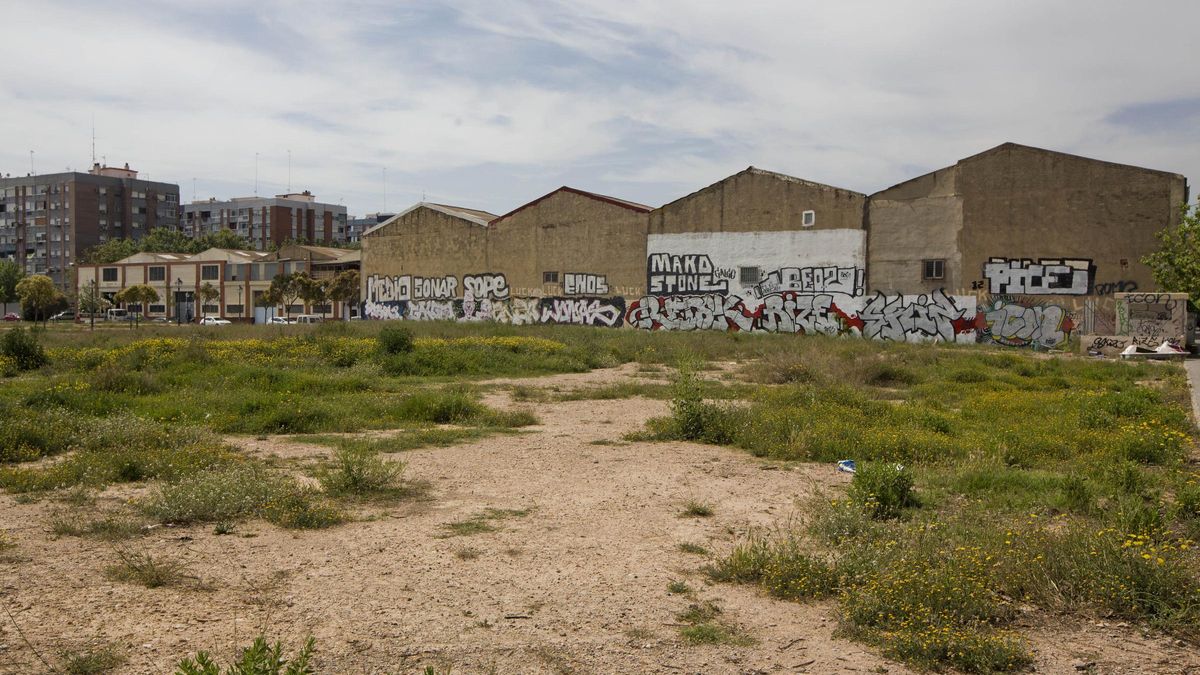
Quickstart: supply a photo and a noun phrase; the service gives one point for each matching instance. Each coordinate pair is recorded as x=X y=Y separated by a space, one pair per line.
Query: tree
x=138 y=294
x=92 y=302
x=345 y=288
x=38 y=295
x=222 y=239
x=10 y=274
x=208 y=293
x=1176 y=265
x=312 y=291
x=285 y=288
x=111 y=251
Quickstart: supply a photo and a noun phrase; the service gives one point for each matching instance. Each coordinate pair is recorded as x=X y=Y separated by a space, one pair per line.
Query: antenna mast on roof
x=93 y=139
x=289 y=172
x=32 y=171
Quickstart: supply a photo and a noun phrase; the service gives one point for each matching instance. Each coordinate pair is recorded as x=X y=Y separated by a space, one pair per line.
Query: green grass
x=705 y=625
x=482 y=522
x=694 y=549
x=362 y=473
x=696 y=509
x=1055 y=482
x=110 y=527
x=147 y=570
x=248 y=490
x=91 y=661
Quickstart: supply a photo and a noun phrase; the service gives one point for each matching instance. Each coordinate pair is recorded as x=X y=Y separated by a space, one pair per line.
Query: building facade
x=239 y=277
x=47 y=221
x=1042 y=240
x=1015 y=246
x=268 y=222
x=356 y=226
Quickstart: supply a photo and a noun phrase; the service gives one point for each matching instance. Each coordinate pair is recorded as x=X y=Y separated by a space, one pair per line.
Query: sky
x=489 y=104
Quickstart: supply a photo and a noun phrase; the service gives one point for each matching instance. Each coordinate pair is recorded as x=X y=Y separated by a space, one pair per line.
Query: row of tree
x=163 y=240
x=40 y=298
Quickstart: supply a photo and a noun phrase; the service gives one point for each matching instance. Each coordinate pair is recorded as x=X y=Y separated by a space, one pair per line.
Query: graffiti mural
x=600 y=312
x=1016 y=322
x=1047 y=276
x=670 y=274
x=847 y=280
x=936 y=316
x=1153 y=318
x=487 y=297
x=575 y=283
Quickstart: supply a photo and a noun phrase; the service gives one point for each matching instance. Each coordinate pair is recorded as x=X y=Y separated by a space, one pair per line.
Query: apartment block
x=48 y=221
x=267 y=222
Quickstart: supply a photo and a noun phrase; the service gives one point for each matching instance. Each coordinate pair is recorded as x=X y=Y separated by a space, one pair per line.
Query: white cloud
x=653 y=99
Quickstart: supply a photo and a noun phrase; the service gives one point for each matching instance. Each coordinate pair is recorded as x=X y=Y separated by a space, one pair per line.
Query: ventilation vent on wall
x=808 y=218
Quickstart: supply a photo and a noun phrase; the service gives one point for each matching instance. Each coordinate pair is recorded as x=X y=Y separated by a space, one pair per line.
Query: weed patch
x=147 y=570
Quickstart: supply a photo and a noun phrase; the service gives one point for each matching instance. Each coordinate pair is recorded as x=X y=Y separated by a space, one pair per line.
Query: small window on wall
x=549 y=277
x=210 y=272
x=933 y=270
x=158 y=273
x=748 y=276
x=808 y=218
x=109 y=274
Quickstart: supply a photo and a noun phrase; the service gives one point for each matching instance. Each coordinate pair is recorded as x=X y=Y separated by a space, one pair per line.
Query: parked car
x=214 y=321
x=64 y=316
x=310 y=318
x=283 y=321
x=12 y=316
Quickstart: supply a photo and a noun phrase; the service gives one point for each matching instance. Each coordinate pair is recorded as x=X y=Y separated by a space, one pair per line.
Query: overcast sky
x=491 y=103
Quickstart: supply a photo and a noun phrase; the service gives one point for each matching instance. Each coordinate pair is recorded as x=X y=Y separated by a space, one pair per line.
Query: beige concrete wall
x=758 y=201
x=425 y=242
x=909 y=223
x=569 y=233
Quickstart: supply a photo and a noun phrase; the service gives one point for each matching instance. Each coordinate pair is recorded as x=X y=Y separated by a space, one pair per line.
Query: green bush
x=360 y=472
x=260 y=658
x=882 y=489
x=396 y=340
x=23 y=348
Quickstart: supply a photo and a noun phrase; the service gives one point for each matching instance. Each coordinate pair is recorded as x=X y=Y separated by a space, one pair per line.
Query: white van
x=309 y=318
x=117 y=315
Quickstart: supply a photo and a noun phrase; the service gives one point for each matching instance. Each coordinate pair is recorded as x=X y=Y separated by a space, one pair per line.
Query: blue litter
x=846 y=465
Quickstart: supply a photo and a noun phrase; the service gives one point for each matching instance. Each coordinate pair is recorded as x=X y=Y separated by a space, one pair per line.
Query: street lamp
x=178 y=292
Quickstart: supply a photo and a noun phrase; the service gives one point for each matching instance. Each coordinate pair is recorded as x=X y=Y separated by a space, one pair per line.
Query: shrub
x=260 y=658
x=147 y=570
x=91 y=661
x=396 y=340
x=361 y=472
x=23 y=348
x=884 y=490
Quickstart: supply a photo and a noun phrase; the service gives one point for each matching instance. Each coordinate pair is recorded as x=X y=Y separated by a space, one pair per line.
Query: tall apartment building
x=47 y=221
x=356 y=226
x=268 y=221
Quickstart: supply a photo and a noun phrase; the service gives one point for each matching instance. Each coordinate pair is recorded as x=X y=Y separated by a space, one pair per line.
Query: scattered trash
x=846 y=465
x=1166 y=350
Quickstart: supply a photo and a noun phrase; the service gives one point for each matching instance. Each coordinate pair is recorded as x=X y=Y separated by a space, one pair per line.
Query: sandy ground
x=579 y=585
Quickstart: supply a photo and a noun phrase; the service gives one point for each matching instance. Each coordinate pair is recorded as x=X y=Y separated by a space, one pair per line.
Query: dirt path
x=578 y=585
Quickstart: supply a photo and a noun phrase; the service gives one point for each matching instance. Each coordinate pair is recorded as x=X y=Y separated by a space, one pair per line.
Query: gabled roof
x=228 y=255
x=1009 y=145
x=753 y=170
x=147 y=257
x=632 y=206
x=481 y=218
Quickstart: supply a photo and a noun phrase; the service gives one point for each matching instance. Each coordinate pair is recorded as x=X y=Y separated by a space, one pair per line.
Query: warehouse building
x=1016 y=245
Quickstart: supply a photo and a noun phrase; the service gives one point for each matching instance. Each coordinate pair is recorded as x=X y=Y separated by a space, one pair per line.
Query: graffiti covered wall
x=487 y=297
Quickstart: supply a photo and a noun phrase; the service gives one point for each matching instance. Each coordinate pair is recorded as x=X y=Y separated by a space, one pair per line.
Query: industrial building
x=1015 y=245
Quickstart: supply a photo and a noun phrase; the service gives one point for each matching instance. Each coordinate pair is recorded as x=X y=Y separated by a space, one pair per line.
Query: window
x=808 y=218
x=210 y=272
x=933 y=270
x=158 y=274
x=549 y=277
x=158 y=309
x=109 y=274
x=233 y=309
x=748 y=276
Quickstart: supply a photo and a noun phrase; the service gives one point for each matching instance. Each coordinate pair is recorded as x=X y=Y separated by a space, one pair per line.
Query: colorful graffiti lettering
x=1048 y=276
x=899 y=318
x=1016 y=323
x=670 y=274
x=846 y=280
x=575 y=283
